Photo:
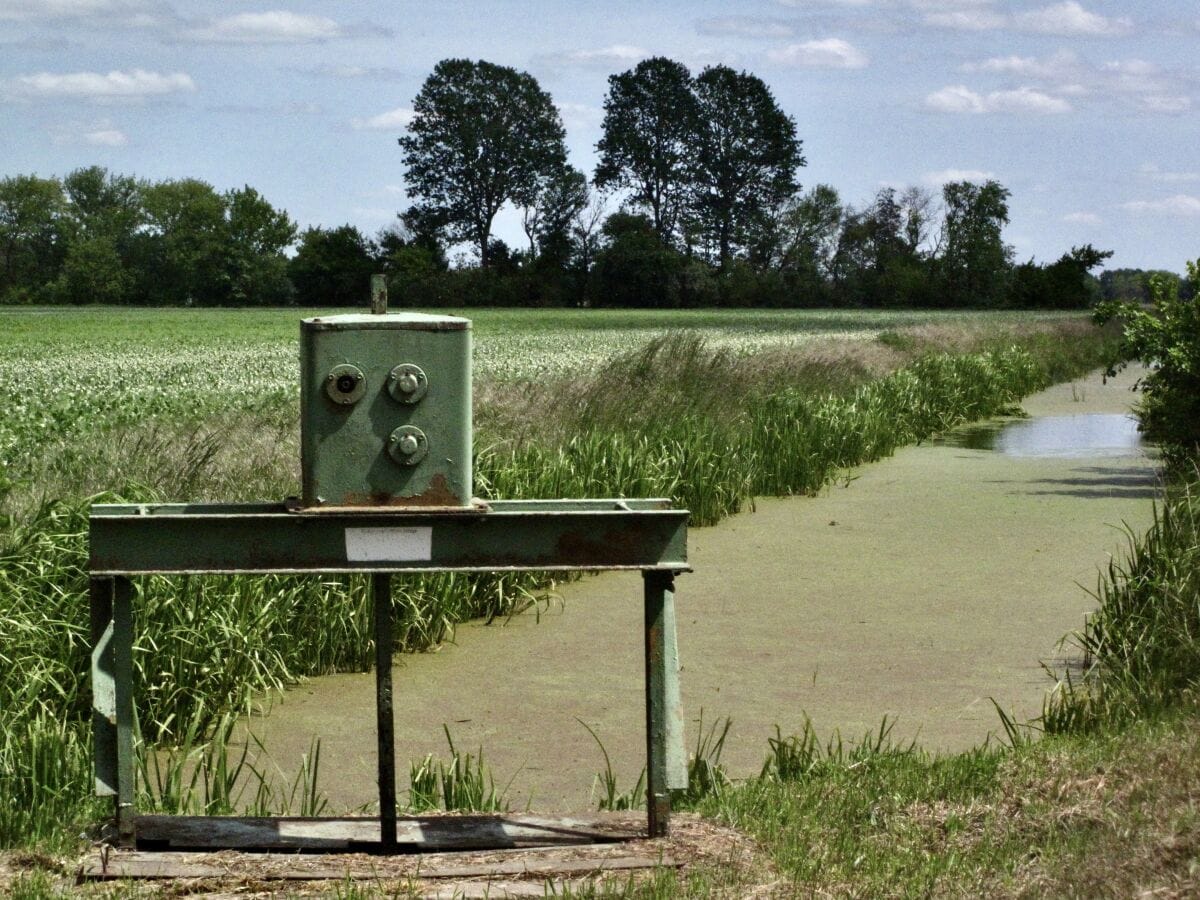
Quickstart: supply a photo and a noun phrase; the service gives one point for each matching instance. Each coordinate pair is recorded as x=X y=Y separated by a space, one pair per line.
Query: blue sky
x=1087 y=110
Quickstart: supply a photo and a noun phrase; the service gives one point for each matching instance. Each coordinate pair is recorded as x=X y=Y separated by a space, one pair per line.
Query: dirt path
x=923 y=587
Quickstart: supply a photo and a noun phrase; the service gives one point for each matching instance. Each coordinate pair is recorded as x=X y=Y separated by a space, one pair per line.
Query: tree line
x=695 y=201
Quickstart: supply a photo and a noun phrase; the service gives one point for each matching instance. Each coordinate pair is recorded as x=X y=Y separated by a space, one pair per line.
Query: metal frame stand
x=509 y=536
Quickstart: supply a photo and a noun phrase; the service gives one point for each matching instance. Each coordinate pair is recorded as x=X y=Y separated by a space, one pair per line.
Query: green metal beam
x=131 y=539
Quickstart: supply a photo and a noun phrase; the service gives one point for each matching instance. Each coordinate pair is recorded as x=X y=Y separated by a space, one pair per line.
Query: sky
x=1088 y=111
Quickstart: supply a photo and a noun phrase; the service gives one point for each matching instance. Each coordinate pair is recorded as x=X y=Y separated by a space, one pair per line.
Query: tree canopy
x=745 y=160
x=482 y=135
x=651 y=118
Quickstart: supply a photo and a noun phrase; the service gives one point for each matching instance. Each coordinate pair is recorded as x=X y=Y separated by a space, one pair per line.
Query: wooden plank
x=549 y=868
x=495 y=890
x=413 y=833
x=145 y=864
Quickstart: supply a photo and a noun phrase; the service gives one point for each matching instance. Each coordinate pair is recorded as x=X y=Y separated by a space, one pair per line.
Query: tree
x=636 y=268
x=105 y=205
x=745 y=159
x=105 y=212
x=650 y=122
x=916 y=210
x=481 y=136
x=94 y=272
x=1167 y=339
x=259 y=234
x=332 y=267
x=585 y=230
x=975 y=260
x=185 y=250
x=424 y=228
x=547 y=219
x=808 y=231
x=32 y=233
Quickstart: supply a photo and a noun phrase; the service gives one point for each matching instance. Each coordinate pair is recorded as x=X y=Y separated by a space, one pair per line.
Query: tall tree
x=481 y=136
x=32 y=233
x=259 y=234
x=186 y=246
x=975 y=260
x=650 y=122
x=745 y=159
x=103 y=204
x=105 y=211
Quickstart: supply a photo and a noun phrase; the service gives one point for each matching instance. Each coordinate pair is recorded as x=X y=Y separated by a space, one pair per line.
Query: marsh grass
x=1141 y=647
x=711 y=428
x=219 y=772
x=464 y=783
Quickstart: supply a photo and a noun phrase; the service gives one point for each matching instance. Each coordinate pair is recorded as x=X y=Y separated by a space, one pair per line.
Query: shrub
x=1167 y=339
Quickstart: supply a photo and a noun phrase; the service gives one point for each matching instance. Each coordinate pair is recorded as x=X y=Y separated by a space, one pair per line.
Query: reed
x=1141 y=647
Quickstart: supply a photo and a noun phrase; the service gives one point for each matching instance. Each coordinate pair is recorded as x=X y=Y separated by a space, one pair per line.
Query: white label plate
x=389 y=544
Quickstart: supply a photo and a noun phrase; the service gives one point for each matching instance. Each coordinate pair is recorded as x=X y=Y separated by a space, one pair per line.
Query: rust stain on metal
x=438 y=493
x=579 y=547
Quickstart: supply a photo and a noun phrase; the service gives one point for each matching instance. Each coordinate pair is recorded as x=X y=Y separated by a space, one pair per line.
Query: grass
x=1142 y=645
x=762 y=409
x=464 y=783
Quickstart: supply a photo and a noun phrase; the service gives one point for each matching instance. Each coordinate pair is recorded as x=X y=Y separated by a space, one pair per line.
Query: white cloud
x=108 y=12
x=1026 y=100
x=606 y=57
x=271 y=27
x=961 y=99
x=401 y=117
x=1154 y=173
x=1070 y=19
x=830 y=53
x=580 y=115
x=937 y=179
x=956 y=98
x=1171 y=106
x=1178 y=205
x=1083 y=218
x=96 y=133
x=375 y=73
x=134 y=84
x=1141 y=85
x=1067 y=19
x=967 y=19
x=744 y=26
x=106 y=137
x=1061 y=65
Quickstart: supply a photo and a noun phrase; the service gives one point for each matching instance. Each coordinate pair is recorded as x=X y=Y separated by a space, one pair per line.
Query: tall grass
x=1142 y=645
x=674 y=423
x=710 y=428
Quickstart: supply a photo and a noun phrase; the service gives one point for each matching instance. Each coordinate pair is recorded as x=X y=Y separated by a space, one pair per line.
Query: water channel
x=920 y=588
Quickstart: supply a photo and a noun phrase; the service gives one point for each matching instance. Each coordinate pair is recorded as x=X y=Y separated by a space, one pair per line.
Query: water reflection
x=1069 y=437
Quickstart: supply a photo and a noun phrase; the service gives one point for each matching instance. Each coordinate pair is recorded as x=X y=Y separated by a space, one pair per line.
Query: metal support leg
x=666 y=767
x=104 y=687
x=122 y=644
x=111 y=601
x=381 y=590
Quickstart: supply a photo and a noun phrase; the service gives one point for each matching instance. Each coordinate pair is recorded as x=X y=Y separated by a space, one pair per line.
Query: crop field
x=72 y=373
x=711 y=409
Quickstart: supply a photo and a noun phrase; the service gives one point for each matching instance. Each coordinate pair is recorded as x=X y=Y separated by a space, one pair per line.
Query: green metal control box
x=385 y=411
